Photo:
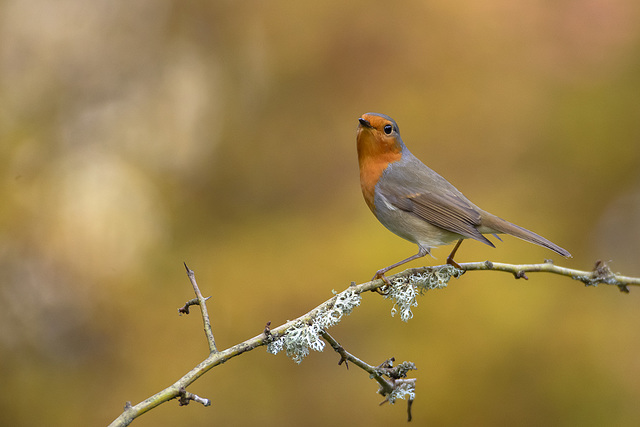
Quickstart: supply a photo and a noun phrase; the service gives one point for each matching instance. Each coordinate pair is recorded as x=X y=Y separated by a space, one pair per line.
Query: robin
x=416 y=203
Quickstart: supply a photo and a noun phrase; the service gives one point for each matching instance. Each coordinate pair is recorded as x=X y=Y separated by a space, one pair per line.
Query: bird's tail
x=501 y=226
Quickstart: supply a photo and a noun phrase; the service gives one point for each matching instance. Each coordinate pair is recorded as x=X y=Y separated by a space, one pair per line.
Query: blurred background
x=138 y=135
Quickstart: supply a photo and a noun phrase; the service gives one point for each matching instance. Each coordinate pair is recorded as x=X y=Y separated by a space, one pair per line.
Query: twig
x=203 y=307
x=185 y=397
x=185 y=308
x=600 y=274
x=396 y=386
x=385 y=386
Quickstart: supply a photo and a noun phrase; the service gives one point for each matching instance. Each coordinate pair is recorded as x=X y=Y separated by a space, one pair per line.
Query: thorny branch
x=385 y=386
x=203 y=307
x=601 y=273
x=311 y=326
x=394 y=387
x=186 y=397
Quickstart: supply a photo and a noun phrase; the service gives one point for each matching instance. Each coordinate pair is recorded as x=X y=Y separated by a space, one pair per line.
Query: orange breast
x=374 y=156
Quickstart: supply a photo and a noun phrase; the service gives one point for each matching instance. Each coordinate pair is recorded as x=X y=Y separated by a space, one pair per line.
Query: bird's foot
x=450 y=261
x=382 y=290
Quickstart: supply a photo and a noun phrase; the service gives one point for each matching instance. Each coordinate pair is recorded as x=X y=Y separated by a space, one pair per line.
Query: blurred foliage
x=138 y=135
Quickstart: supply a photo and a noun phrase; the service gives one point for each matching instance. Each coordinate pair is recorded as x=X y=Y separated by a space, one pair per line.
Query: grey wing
x=447 y=211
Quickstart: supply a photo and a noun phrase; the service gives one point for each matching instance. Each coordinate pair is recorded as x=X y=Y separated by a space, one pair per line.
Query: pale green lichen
x=302 y=337
x=275 y=346
x=344 y=304
x=404 y=290
x=403 y=389
x=403 y=294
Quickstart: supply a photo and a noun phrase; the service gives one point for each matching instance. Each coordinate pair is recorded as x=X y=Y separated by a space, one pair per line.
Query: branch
x=395 y=387
x=601 y=273
x=304 y=333
x=203 y=307
x=267 y=336
x=385 y=386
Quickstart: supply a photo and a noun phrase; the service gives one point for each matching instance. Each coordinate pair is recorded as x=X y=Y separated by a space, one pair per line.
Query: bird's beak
x=364 y=123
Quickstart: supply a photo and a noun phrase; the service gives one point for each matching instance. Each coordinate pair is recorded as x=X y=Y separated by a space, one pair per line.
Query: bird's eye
x=388 y=129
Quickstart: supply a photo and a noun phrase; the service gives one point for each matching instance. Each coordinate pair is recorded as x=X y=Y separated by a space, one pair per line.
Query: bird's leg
x=450 y=260
x=380 y=273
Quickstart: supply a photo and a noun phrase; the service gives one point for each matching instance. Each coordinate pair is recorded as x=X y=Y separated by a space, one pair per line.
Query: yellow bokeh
x=140 y=135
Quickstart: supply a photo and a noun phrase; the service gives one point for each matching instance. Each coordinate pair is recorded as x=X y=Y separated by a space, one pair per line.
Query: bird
x=416 y=203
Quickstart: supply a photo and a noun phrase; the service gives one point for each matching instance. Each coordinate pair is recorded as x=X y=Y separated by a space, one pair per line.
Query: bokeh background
x=138 y=135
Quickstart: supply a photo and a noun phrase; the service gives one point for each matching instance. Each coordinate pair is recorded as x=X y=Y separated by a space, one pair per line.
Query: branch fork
x=311 y=327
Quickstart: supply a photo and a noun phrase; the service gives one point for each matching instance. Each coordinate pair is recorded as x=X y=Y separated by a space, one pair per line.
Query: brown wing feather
x=446 y=211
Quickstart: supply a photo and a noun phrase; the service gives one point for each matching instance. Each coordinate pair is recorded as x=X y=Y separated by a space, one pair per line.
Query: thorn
x=387 y=363
x=267 y=330
x=602 y=270
x=186 y=397
x=343 y=359
x=521 y=275
x=185 y=308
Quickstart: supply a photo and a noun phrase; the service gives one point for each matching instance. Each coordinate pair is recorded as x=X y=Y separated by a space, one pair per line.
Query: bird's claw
x=382 y=290
x=450 y=261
